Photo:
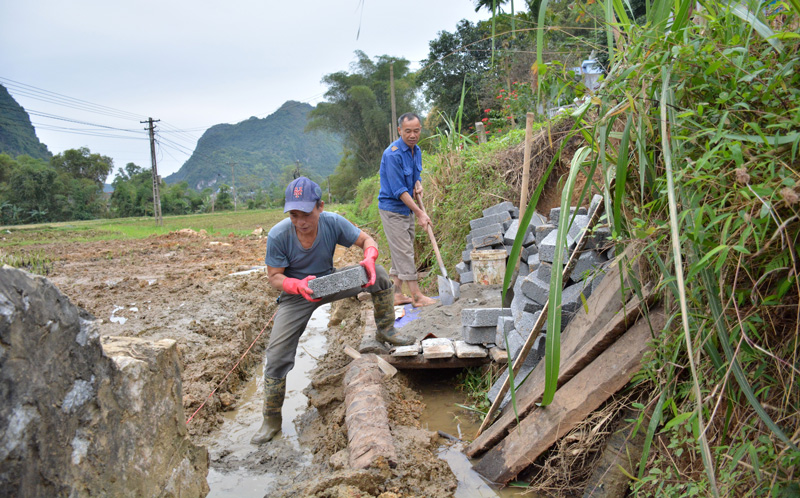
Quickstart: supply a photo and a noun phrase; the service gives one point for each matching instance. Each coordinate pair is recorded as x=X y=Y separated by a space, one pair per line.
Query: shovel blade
x=449 y=291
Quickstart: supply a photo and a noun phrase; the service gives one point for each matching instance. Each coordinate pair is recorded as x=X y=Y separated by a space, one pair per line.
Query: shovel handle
x=433 y=238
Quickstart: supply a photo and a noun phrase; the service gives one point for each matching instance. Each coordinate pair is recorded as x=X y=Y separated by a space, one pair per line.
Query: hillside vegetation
x=17 y=135
x=260 y=150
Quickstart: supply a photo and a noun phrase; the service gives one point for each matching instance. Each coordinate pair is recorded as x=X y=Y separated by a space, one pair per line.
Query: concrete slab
x=412 y=350
x=464 y=350
x=438 y=348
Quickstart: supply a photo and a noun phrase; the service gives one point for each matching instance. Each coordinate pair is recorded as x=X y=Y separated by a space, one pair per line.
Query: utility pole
x=394 y=108
x=233 y=187
x=156 y=179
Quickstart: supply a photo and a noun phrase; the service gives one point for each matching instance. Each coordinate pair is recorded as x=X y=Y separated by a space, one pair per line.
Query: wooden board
x=603 y=305
x=572 y=403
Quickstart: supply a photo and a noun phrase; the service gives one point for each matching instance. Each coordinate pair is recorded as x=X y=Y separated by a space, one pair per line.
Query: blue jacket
x=399 y=172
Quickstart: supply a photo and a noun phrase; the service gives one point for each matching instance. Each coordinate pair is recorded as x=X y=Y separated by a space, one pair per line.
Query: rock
x=83 y=419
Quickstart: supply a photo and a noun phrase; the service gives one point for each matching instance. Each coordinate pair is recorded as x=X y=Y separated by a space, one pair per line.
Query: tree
x=462 y=58
x=32 y=188
x=81 y=163
x=358 y=109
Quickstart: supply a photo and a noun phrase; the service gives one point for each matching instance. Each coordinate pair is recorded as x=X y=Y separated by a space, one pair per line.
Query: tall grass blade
x=622 y=173
x=676 y=254
x=719 y=320
x=762 y=29
x=552 y=355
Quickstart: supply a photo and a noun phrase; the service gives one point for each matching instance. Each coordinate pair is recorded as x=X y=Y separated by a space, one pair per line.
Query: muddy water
x=441 y=397
x=233 y=440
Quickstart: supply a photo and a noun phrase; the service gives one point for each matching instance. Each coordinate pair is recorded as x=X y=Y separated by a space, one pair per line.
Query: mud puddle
x=236 y=467
x=441 y=396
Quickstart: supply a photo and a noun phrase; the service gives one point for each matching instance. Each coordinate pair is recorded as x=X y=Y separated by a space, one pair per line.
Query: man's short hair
x=409 y=116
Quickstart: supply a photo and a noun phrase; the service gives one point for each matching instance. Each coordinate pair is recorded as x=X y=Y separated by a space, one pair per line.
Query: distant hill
x=17 y=136
x=260 y=150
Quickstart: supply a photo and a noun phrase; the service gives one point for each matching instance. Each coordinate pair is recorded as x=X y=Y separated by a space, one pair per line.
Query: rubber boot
x=383 y=304
x=274 y=393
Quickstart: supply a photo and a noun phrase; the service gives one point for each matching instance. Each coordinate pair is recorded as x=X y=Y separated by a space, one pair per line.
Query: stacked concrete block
x=524 y=269
x=505 y=326
x=479 y=325
x=504 y=218
x=504 y=206
x=579 y=224
x=587 y=262
x=466 y=277
x=526 y=322
x=555 y=213
x=535 y=289
x=541 y=232
x=487 y=235
x=547 y=248
x=348 y=278
x=594 y=204
x=533 y=262
x=463 y=267
x=599 y=238
x=511 y=233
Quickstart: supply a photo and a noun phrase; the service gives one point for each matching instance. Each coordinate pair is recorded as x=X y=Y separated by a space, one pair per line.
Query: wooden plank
x=419 y=362
x=604 y=303
x=572 y=403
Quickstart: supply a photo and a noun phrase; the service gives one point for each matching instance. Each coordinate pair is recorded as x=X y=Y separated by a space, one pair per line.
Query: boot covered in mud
x=274 y=394
x=383 y=304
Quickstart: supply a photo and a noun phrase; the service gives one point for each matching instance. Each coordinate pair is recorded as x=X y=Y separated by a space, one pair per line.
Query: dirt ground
x=180 y=286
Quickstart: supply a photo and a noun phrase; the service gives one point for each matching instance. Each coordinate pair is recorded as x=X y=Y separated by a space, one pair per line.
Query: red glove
x=296 y=286
x=370 y=255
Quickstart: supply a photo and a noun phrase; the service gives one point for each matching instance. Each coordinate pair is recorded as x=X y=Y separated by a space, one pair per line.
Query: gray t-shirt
x=285 y=251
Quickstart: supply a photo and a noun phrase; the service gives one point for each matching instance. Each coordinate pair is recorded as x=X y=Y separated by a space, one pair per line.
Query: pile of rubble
x=508 y=328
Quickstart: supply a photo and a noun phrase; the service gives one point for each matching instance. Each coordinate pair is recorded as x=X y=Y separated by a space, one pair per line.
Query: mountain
x=17 y=136
x=260 y=150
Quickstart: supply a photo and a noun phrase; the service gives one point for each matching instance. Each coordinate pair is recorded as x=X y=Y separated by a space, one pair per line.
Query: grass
x=239 y=223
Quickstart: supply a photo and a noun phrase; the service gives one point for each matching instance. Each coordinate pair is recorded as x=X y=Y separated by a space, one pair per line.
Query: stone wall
x=78 y=418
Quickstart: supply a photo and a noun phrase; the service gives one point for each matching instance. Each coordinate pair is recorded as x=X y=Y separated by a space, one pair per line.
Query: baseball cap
x=302 y=194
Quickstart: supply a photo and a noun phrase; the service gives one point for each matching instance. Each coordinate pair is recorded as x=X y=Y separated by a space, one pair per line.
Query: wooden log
x=572 y=403
x=385 y=367
x=604 y=303
x=366 y=416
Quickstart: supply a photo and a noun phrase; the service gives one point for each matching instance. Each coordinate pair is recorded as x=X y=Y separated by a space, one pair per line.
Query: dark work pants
x=294 y=312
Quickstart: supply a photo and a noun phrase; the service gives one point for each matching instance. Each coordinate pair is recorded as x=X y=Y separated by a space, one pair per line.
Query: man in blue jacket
x=300 y=248
x=401 y=166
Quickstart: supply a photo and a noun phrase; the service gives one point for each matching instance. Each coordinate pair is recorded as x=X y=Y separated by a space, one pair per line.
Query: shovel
x=449 y=291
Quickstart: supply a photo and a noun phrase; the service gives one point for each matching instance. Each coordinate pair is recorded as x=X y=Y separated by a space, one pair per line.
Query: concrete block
x=579 y=224
x=588 y=262
x=348 y=278
x=489 y=241
x=544 y=271
x=537 y=220
x=463 y=267
x=599 y=239
x=478 y=335
x=499 y=208
x=514 y=212
x=547 y=248
x=466 y=256
x=525 y=323
x=412 y=350
x=495 y=389
x=533 y=262
x=464 y=350
x=511 y=233
x=438 y=348
x=515 y=343
x=522 y=304
x=594 y=204
x=483 y=317
x=541 y=232
x=508 y=248
x=535 y=289
x=524 y=269
x=505 y=324
x=555 y=214
x=502 y=218
x=488 y=230
x=528 y=251
x=466 y=277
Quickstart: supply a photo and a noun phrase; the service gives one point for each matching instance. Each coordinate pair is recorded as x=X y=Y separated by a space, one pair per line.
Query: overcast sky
x=191 y=64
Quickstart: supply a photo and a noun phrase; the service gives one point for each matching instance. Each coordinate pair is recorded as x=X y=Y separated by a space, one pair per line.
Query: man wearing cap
x=300 y=248
x=401 y=166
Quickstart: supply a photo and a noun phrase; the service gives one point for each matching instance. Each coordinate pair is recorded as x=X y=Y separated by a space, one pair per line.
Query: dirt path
x=180 y=286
